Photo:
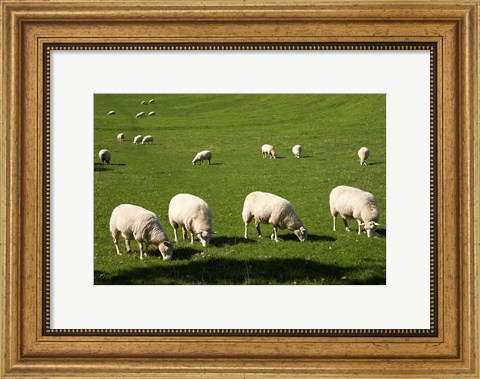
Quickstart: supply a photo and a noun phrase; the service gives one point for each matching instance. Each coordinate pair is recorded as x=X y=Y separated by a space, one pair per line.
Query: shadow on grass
x=228 y=241
x=374 y=163
x=381 y=232
x=310 y=238
x=220 y=271
x=105 y=167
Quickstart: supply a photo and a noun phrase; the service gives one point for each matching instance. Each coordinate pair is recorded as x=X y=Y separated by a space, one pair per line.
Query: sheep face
x=370 y=228
x=166 y=249
x=204 y=238
x=301 y=234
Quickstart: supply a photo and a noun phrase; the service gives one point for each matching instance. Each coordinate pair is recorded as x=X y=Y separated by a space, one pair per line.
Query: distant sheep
x=193 y=215
x=137 y=139
x=363 y=154
x=353 y=203
x=151 y=113
x=268 y=150
x=111 y=113
x=205 y=155
x=297 y=150
x=147 y=139
x=121 y=137
x=104 y=156
x=151 y=101
x=143 y=102
x=134 y=222
x=266 y=208
x=139 y=115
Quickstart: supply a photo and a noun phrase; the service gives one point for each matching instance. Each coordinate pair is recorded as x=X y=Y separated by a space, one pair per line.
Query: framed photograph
x=241 y=190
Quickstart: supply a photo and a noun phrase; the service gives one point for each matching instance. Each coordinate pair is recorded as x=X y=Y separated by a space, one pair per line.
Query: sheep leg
x=347 y=228
x=175 y=237
x=257 y=225
x=274 y=234
x=127 y=245
x=115 y=236
x=334 y=223
x=184 y=233
x=209 y=161
x=191 y=238
x=140 y=245
x=359 y=227
x=246 y=230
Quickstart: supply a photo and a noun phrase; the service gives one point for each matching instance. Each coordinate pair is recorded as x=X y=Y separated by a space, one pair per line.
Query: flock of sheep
x=193 y=214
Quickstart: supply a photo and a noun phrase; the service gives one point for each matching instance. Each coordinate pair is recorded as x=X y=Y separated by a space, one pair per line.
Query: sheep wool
x=192 y=214
x=363 y=154
x=297 y=150
x=205 y=155
x=121 y=137
x=134 y=222
x=268 y=150
x=104 y=156
x=267 y=208
x=147 y=139
x=141 y=114
x=137 y=139
x=353 y=203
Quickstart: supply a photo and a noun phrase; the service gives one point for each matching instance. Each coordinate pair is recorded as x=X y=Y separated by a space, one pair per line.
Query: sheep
x=147 y=139
x=363 y=154
x=121 y=137
x=137 y=139
x=104 y=156
x=111 y=113
x=141 y=114
x=193 y=215
x=134 y=222
x=268 y=150
x=267 y=208
x=151 y=101
x=152 y=113
x=205 y=155
x=297 y=150
x=353 y=203
x=143 y=102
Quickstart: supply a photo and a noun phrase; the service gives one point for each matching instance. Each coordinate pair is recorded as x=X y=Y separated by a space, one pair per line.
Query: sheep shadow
x=221 y=271
x=310 y=238
x=101 y=168
x=222 y=241
x=184 y=253
x=381 y=232
x=215 y=164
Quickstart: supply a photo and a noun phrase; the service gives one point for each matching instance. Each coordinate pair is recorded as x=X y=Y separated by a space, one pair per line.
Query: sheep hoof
x=120 y=253
x=260 y=237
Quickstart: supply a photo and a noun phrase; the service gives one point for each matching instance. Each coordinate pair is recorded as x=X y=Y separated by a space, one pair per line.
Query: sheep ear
x=362 y=224
x=376 y=224
x=214 y=232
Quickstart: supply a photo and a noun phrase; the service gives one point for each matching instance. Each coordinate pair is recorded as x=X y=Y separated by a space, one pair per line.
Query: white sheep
x=268 y=150
x=137 y=139
x=141 y=114
x=152 y=113
x=104 y=156
x=297 y=150
x=111 y=113
x=134 y=222
x=193 y=215
x=266 y=208
x=143 y=102
x=353 y=203
x=147 y=139
x=151 y=101
x=121 y=137
x=205 y=155
x=363 y=154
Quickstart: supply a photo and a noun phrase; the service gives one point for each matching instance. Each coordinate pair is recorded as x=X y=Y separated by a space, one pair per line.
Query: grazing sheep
x=104 y=156
x=192 y=214
x=111 y=113
x=267 y=208
x=134 y=222
x=137 y=139
x=297 y=150
x=121 y=137
x=143 y=102
x=151 y=101
x=363 y=154
x=353 y=203
x=141 y=114
x=268 y=150
x=151 y=113
x=147 y=139
x=205 y=155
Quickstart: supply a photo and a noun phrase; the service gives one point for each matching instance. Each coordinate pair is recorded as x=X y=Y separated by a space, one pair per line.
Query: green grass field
x=331 y=129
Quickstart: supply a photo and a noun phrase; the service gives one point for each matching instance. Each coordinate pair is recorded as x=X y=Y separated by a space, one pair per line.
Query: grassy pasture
x=331 y=129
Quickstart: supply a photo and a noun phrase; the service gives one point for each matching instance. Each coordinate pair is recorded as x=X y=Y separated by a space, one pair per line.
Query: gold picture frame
x=30 y=26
